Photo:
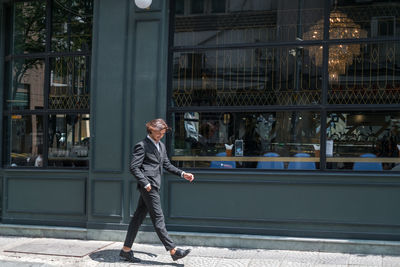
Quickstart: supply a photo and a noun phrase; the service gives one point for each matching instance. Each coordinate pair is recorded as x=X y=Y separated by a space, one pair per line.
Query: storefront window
x=247 y=140
x=363 y=140
x=267 y=77
x=47 y=90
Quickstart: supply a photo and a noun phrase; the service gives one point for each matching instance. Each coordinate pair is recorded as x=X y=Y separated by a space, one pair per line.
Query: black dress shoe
x=128 y=256
x=180 y=253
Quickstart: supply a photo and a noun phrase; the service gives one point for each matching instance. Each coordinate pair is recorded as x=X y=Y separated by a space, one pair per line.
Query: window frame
x=324 y=107
x=47 y=55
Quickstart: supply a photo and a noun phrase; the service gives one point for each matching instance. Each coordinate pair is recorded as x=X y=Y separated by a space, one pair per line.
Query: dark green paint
x=129 y=74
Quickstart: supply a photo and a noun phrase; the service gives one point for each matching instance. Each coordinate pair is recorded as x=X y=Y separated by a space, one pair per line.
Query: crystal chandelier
x=342 y=55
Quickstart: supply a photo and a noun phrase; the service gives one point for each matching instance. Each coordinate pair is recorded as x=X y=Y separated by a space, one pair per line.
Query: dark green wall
x=45 y=197
x=129 y=87
x=310 y=204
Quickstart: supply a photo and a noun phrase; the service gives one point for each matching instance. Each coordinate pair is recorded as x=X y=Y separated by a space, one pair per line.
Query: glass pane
x=29 y=27
x=25 y=87
x=250 y=21
x=218 y=6
x=24 y=141
x=72 y=25
x=356 y=19
x=179 y=7
x=364 y=74
x=247 y=77
x=69 y=137
x=69 y=83
x=363 y=141
x=8 y=29
x=197 y=6
x=274 y=140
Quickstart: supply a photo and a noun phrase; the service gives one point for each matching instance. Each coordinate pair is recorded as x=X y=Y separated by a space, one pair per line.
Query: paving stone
x=45 y=246
x=295 y=264
x=391 y=261
x=330 y=265
x=22 y=264
x=302 y=257
x=264 y=263
x=374 y=260
x=333 y=258
x=272 y=254
x=233 y=262
x=191 y=261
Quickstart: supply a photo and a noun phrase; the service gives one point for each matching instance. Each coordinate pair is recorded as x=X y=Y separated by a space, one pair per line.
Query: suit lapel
x=154 y=148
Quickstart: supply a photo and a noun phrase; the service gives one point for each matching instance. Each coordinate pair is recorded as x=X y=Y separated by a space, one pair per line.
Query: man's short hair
x=156 y=124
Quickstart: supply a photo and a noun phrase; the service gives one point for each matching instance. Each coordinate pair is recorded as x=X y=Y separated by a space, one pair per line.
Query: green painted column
x=129 y=67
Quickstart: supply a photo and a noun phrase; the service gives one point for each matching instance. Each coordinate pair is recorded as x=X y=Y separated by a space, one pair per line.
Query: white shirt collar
x=157 y=144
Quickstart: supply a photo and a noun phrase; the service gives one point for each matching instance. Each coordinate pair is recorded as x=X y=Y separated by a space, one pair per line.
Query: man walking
x=149 y=157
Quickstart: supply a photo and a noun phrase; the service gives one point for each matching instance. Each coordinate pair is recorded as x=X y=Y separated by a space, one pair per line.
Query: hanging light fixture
x=143 y=3
x=342 y=55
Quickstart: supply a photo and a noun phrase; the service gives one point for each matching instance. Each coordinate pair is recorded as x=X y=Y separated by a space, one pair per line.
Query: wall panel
x=297 y=204
x=107 y=198
x=57 y=196
x=108 y=85
x=146 y=72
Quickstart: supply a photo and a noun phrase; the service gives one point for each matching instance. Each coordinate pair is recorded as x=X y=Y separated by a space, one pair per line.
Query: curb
x=212 y=239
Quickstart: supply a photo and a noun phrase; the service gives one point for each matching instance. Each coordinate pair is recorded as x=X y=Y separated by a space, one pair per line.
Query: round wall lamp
x=143 y=3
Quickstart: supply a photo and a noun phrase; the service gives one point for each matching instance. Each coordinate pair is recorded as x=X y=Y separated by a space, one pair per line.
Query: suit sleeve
x=169 y=167
x=136 y=162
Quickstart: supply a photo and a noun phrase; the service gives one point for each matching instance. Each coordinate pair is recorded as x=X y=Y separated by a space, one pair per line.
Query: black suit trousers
x=149 y=202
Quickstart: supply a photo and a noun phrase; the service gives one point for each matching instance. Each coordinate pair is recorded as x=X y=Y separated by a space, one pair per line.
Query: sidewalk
x=23 y=251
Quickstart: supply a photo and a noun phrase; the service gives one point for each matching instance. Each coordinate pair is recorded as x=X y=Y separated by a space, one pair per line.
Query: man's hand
x=188 y=176
x=148 y=188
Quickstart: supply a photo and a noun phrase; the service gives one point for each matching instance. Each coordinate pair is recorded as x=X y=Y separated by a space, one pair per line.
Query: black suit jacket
x=147 y=163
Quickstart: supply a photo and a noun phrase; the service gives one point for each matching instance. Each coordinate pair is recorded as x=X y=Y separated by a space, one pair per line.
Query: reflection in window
x=200 y=137
x=69 y=137
x=46 y=96
x=377 y=18
x=370 y=77
x=179 y=7
x=261 y=55
x=25 y=144
x=218 y=6
x=29 y=27
x=246 y=77
x=214 y=22
x=27 y=85
x=69 y=83
x=197 y=6
x=373 y=137
x=72 y=25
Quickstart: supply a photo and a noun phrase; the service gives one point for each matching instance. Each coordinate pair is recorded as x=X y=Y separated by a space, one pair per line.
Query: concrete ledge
x=42 y=231
x=288 y=243
x=213 y=240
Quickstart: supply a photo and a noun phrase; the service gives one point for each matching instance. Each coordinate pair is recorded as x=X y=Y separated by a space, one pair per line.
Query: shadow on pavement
x=112 y=256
